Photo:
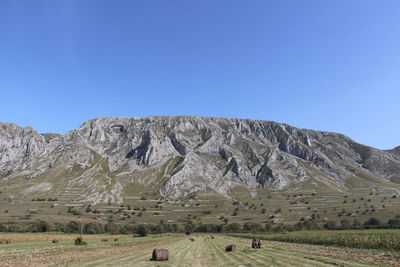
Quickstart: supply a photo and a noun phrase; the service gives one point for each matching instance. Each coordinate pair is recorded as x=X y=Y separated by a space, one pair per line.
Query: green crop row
x=380 y=239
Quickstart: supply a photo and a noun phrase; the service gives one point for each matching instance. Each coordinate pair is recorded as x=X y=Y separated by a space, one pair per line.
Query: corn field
x=374 y=239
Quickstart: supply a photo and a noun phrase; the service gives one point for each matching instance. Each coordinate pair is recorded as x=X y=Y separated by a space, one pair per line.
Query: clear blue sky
x=324 y=65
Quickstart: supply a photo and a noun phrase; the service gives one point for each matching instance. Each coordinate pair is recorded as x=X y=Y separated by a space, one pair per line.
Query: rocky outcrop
x=395 y=151
x=187 y=153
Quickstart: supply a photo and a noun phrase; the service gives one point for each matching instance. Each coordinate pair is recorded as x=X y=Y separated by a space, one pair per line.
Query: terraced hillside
x=175 y=169
x=203 y=251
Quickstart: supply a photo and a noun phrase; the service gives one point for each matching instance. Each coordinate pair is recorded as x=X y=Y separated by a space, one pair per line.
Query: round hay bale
x=54 y=241
x=160 y=254
x=230 y=248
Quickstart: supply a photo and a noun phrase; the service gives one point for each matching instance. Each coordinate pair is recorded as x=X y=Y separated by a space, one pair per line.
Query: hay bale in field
x=115 y=239
x=104 y=240
x=160 y=254
x=256 y=243
x=54 y=241
x=230 y=248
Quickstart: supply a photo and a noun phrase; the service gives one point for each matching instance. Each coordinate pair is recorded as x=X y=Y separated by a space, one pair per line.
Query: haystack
x=160 y=254
x=230 y=248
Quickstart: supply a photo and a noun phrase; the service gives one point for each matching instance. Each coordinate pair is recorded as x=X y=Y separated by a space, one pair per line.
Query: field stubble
x=203 y=251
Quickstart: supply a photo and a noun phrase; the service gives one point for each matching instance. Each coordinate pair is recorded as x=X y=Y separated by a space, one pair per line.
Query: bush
x=252 y=227
x=42 y=226
x=372 y=222
x=345 y=224
x=141 y=230
x=330 y=225
x=209 y=228
x=394 y=223
x=79 y=242
x=3 y=228
x=189 y=228
x=73 y=227
x=112 y=228
x=59 y=227
x=93 y=228
x=234 y=227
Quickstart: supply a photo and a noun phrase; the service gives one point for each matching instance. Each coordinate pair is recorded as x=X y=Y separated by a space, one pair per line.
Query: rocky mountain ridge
x=176 y=156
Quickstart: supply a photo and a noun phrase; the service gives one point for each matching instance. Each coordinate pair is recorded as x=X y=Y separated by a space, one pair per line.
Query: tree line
x=190 y=227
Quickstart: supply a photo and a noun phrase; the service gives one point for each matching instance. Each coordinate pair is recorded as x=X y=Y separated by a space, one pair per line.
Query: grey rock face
x=181 y=155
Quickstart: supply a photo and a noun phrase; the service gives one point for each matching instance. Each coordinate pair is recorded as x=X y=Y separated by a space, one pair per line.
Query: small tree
x=345 y=224
x=72 y=227
x=235 y=227
x=330 y=225
x=189 y=228
x=112 y=228
x=372 y=222
x=3 y=228
x=141 y=230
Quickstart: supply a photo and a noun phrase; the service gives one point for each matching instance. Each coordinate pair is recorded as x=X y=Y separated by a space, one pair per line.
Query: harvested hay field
x=18 y=237
x=205 y=251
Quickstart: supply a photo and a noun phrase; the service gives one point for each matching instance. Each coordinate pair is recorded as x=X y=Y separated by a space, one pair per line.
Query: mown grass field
x=37 y=250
